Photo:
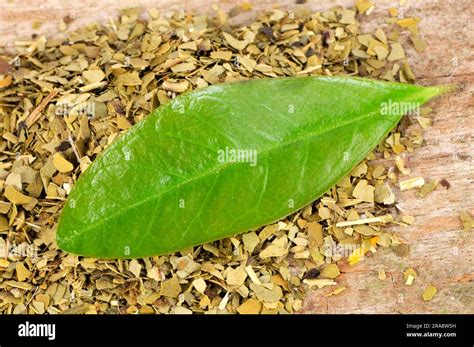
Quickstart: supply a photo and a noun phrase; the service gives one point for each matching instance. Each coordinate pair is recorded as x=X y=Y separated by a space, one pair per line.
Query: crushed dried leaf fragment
x=409 y=275
x=382 y=275
x=336 y=291
x=429 y=293
x=16 y=197
x=236 y=277
x=466 y=220
x=170 y=287
x=93 y=76
x=365 y=6
x=427 y=188
x=234 y=43
x=5 y=81
x=250 y=306
x=277 y=248
x=177 y=87
x=135 y=267
x=412 y=183
x=330 y=271
x=364 y=191
x=396 y=53
x=319 y=282
x=250 y=240
x=61 y=164
x=384 y=195
x=200 y=285
x=22 y=272
x=408 y=219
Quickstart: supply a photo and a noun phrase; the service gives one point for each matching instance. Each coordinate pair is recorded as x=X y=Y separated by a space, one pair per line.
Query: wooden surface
x=440 y=251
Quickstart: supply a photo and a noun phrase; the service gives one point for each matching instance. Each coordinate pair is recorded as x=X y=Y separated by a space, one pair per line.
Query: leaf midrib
x=220 y=168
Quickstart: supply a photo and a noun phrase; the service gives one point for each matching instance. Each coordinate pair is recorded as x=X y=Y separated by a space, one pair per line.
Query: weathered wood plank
x=441 y=252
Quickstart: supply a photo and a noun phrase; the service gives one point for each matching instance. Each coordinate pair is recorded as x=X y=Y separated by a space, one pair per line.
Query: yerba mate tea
x=114 y=124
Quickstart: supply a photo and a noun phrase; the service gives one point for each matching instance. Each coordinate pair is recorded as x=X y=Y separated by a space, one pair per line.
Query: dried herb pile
x=62 y=101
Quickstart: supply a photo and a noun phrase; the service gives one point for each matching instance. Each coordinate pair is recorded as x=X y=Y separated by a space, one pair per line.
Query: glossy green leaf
x=171 y=181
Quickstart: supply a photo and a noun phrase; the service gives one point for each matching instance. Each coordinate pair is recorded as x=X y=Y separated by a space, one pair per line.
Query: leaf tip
x=444 y=89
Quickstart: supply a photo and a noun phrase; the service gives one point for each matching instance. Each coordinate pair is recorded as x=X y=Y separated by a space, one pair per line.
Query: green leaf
x=171 y=182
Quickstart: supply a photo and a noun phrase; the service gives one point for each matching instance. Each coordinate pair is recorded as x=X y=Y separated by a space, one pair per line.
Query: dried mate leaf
x=177 y=87
x=412 y=183
x=234 y=43
x=384 y=195
x=419 y=43
x=337 y=291
x=427 y=188
x=409 y=276
x=408 y=219
x=277 y=248
x=236 y=277
x=135 y=267
x=364 y=6
x=467 y=220
x=330 y=271
x=251 y=240
x=382 y=275
x=200 y=285
x=15 y=197
x=93 y=76
x=250 y=306
x=429 y=293
x=170 y=287
x=61 y=164
x=267 y=295
x=397 y=52
x=320 y=282
x=363 y=191
x=22 y=272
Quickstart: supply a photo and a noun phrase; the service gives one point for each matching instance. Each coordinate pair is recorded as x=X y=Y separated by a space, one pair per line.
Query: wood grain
x=440 y=251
